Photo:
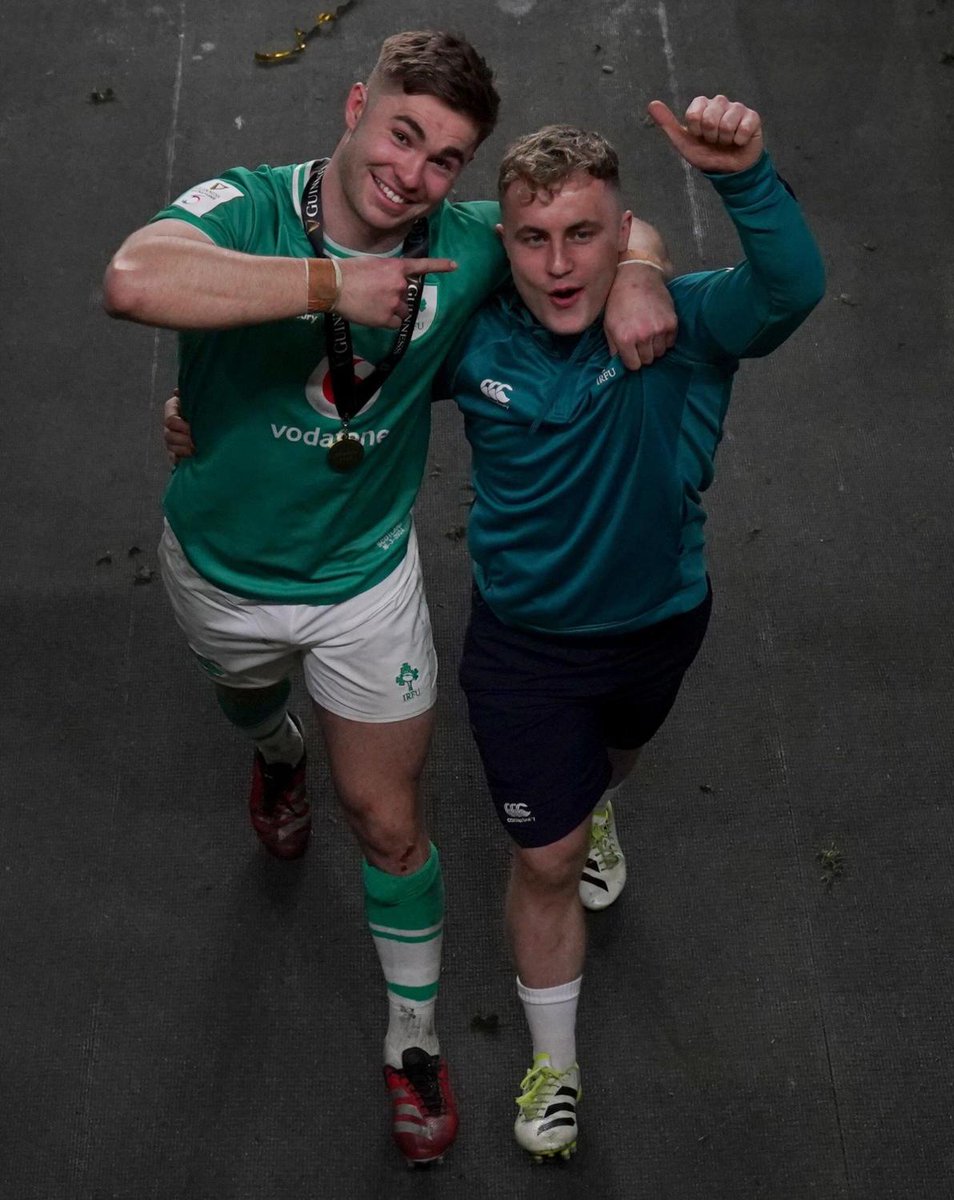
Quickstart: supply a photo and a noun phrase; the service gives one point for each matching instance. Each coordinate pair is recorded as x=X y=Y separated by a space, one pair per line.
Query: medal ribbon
x=350 y=394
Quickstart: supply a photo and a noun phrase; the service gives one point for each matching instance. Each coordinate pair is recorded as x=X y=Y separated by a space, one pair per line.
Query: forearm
x=640 y=322
x=645 y=242
x=757 y=305
x=183 y=283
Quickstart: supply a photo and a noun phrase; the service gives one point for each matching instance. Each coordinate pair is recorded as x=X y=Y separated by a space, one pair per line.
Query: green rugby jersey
x=258 y=510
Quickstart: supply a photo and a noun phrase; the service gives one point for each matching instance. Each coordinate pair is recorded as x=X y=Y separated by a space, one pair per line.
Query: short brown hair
x=443 y=65
x=542 y=161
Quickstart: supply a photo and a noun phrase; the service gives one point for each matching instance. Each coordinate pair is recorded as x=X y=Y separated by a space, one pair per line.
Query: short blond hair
x=443 y=65
x=544 y=160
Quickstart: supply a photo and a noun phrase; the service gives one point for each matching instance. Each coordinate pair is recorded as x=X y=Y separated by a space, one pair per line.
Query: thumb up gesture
x=719 y=135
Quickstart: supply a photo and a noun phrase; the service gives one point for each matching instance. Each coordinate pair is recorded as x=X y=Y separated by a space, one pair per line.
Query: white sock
x=281 y=742
x=410 y=1023
x=551 y=1015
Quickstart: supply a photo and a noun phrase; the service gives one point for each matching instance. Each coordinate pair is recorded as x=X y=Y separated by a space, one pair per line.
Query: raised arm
x=172 y=275
x=752 y=308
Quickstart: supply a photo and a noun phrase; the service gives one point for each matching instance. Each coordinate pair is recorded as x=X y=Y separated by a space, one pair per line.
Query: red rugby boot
x=424 y=1110
x=277 y=806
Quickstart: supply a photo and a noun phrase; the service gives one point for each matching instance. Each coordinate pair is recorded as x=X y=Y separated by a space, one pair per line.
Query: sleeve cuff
x=755 y=185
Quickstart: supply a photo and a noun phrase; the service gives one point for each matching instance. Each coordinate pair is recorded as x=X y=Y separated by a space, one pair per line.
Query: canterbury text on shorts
x=370 y=658
x=544 y=710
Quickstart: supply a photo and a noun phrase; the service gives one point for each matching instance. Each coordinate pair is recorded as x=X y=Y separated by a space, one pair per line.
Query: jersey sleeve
x=228 y=209
x=750 y=309
x=477 y=222
x=485 y=212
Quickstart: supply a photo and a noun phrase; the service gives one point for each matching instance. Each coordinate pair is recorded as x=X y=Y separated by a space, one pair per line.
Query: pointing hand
x=374 y=290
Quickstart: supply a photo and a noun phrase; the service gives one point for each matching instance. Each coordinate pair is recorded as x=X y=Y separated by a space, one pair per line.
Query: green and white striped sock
x=406 y=916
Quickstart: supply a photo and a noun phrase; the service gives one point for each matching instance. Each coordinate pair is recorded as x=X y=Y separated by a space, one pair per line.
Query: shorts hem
x=377 y=719
x=545 y=835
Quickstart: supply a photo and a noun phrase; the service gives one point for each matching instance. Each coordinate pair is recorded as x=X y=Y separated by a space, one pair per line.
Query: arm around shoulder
x=640 y=321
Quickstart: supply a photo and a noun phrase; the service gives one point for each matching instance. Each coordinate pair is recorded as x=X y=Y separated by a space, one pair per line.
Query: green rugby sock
x=406 y=916
x=281 y=742
x=261 y=714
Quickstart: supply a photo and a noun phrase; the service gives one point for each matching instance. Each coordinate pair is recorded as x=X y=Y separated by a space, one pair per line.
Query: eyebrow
x=587 y=223
x=447 y=152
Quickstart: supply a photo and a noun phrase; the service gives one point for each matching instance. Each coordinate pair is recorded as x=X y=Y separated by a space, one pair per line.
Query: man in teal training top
x=591 y=593
x=316 y=302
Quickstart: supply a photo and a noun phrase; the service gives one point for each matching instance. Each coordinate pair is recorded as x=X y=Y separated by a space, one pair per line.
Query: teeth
x=392 y=196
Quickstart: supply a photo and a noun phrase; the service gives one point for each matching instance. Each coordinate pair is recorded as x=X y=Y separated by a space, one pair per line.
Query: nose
x=410 y=172
x=558 y=261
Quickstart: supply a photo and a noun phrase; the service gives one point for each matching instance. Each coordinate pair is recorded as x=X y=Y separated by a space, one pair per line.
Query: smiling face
x=399 y=158
x=563 y=244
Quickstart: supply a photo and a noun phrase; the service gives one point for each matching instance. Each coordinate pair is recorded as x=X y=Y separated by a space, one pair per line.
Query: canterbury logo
x=496 y=391
x=518 y=812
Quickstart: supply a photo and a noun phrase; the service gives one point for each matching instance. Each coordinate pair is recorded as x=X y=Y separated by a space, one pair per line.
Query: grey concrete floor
x=180 y=1018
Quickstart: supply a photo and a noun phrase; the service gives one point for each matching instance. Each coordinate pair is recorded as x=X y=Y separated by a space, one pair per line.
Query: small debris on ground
x=489 y=1024
x=832 y=861
x=143 y=574
x=102 y=97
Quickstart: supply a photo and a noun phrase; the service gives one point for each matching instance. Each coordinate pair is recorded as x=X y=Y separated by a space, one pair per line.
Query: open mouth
x=565 y=296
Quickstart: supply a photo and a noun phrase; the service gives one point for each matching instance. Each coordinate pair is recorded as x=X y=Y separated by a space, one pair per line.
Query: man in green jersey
x=316 y=301
x=591 y=592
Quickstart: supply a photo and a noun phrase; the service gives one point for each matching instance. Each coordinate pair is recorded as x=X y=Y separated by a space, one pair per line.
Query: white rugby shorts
x=370 y=658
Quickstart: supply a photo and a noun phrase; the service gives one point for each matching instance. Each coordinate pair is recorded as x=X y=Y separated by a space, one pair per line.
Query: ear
x=498 y=230
x=625 y=225
x=355 y=105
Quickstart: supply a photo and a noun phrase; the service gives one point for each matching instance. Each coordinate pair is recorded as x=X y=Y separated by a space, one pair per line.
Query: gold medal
x=346 y=452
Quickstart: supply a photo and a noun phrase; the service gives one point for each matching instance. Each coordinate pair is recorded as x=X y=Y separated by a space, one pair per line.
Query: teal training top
x=258 y=510
x=587 y=516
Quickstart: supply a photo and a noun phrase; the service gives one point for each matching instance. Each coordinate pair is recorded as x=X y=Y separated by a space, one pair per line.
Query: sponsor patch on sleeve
x=206 y=196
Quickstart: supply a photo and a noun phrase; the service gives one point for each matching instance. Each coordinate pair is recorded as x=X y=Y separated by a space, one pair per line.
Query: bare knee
x=376 y=768
x=392 y=837
x=550 y=870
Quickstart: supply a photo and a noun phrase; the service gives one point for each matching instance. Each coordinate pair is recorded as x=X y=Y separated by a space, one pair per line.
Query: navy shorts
x=544 y=711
